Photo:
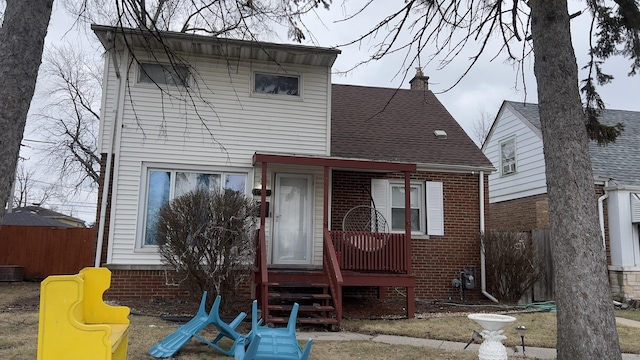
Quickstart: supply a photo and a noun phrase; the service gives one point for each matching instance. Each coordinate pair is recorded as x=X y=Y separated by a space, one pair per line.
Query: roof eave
x=454 y=168
x=216 y=46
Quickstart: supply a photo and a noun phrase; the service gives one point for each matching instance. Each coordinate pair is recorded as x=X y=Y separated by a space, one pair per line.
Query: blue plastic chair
x=267 y=343
x=172 y=343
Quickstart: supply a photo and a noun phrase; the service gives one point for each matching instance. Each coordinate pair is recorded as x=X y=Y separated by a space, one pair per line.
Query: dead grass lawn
x=19 y=330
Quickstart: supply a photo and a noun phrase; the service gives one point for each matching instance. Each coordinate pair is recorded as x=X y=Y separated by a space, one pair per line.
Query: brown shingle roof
x=398 y=125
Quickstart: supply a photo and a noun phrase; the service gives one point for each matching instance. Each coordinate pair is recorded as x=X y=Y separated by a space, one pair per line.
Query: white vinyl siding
x=529 y=178
x=431 y=208
x=164 y=128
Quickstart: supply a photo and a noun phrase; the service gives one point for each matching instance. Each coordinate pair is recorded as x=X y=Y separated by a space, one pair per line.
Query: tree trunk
x=586 y=323
x=21 y=42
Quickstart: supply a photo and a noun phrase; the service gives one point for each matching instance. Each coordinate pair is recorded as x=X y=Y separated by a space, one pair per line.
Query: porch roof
x=332 y=162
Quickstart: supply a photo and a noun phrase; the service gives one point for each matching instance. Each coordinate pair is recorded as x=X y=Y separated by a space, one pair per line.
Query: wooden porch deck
x=349 y=259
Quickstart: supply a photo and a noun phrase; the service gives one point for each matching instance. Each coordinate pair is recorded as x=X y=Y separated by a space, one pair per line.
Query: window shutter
x=380 y=195
x=635 y=208
x=435 y=208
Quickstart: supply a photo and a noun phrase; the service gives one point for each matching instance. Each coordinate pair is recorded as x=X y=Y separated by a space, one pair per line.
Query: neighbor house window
x=508 y=156
x=164 y=185
x=163 y=74
x=276 y=84
x=425 y=204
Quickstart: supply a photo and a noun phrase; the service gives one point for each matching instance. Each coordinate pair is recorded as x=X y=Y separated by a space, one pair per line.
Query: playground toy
x=74 y=322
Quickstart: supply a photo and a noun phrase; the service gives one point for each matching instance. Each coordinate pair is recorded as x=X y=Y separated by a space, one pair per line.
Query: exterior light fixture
x=476 y=336
x=522 y=331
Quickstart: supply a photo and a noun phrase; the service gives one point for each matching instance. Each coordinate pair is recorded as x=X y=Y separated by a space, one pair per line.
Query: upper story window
x=163 y=185
x=508 y=156
x=276 y=84
x=163 y=74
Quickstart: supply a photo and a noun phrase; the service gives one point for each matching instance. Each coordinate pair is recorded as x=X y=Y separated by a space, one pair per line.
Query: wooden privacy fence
x=44 y=251
x=543 y=289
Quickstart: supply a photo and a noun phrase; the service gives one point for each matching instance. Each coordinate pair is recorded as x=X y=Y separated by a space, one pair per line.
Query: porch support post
x=407 y=230
x=325 y=211
x=264 y=271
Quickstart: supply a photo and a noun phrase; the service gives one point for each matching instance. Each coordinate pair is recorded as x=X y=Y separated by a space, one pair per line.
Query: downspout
x=483 y=277
x=107 y=173
x=601 y=200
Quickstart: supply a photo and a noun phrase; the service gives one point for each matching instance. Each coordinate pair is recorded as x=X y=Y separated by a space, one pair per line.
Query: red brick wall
x=153 y=284
x=438 y=259
x=522 y=214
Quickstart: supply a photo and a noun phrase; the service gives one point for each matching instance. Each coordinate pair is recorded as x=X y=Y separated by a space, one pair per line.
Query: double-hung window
x=162 y=185
x=416 y=207
x=426 y=205
x=508 y=156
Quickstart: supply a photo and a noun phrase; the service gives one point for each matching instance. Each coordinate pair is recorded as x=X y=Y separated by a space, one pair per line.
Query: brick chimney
x=419 y=82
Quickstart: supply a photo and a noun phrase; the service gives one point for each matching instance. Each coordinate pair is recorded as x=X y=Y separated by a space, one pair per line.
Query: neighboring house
x=266 y=121
x=54 y=217
x=31 y=219
x=518 y=190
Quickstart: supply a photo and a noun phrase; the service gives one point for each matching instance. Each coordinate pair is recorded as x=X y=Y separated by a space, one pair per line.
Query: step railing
x=332 y=268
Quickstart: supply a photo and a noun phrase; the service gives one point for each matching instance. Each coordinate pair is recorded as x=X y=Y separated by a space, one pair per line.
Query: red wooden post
x=407 y=217
x=264 y=271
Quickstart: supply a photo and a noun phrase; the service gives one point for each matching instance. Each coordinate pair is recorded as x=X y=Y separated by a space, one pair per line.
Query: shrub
x=512 y=264
x=207 y=238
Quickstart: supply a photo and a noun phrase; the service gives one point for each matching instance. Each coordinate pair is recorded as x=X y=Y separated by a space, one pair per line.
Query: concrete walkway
x=533 y=352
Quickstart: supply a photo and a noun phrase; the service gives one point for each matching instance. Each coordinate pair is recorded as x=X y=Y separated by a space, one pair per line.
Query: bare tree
x=481 y=126
x=22 y=35
x=70 y=117
x=26 y=191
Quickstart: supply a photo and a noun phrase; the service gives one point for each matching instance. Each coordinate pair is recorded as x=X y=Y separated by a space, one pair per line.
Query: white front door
x=293 y=219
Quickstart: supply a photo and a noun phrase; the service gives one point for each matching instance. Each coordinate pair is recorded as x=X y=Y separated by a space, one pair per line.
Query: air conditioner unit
x=508 y=168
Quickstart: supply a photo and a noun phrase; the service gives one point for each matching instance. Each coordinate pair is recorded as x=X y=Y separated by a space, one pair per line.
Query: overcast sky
x=482 y=90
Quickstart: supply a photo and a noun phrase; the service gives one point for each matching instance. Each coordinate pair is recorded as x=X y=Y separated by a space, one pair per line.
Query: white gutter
x=601 y=200
x=107 y=173
x=483 y=278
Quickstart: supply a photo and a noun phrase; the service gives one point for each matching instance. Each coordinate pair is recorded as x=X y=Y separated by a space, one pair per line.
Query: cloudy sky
x=481 y=91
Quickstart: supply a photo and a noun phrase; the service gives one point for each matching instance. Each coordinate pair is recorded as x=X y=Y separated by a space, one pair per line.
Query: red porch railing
x=371 y=252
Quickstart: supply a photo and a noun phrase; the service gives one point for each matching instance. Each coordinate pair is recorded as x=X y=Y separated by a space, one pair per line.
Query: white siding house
x=217 y=114
x=519 y=198
x=526 y=175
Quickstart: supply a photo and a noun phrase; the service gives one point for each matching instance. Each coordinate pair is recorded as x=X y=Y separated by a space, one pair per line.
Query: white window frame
x=173 y=169
x=279 y=96
x=140 y=72
x=513 y=166
x=431 y=204
x=421 y=206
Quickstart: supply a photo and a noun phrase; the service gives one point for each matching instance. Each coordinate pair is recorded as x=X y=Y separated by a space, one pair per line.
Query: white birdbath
x=492 y=348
